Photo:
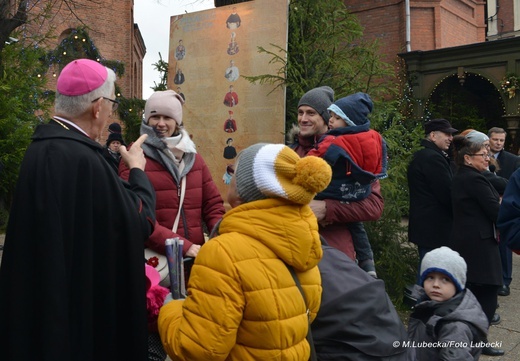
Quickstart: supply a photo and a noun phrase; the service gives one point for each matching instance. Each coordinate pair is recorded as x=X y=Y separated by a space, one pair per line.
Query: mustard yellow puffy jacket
x=242 y=301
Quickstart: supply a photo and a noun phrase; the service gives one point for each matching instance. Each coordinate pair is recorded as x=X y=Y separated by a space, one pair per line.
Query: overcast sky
x=153 y=19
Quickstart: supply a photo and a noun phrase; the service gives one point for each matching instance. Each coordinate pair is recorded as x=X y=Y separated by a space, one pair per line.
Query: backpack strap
x=309 y=333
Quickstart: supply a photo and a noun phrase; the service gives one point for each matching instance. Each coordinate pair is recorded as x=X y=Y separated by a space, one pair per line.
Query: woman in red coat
x=170 y=156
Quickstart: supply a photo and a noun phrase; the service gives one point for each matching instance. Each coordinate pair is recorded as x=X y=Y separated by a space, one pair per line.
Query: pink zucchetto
x=80 y=77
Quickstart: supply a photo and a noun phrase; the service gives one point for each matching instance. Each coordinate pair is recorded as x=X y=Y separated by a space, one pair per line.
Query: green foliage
x=22 y=94
x=78 y=44
x=396 y=259
x=325 y=48
x=131 y=114
x=162 y=67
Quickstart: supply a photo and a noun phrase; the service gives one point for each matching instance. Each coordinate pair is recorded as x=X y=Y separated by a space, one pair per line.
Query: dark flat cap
x=440 y=124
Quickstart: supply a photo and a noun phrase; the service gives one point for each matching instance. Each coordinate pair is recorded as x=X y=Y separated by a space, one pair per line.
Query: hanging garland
x=78 y=44
x=510 y=84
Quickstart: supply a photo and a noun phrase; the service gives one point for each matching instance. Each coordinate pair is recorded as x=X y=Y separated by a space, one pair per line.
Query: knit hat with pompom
x=276 y=171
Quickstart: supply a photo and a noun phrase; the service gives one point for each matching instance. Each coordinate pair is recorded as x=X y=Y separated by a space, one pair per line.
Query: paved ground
x=507 y=332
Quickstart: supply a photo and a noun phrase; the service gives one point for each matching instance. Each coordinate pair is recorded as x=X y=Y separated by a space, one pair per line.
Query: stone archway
x=482 y=67
x=471 y=101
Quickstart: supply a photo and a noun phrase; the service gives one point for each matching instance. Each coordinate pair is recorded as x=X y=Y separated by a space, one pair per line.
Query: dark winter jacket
x=475 y=211
x=498 y=182
x=112 y=158
x=508 y=221
x=202 y=207
x=356 y=320
x=458 y=324
x=429 y=182
x=508 y=163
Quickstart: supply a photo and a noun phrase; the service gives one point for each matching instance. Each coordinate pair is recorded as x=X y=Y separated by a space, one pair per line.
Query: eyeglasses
x=484 y=155
x=115 y=103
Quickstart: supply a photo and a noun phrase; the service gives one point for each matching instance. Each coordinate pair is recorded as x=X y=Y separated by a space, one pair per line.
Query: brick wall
x=110 y=25
x=434 y=24
x=384 y=21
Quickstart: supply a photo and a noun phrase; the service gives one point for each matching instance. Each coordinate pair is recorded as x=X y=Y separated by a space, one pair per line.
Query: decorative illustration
x=228 y=174
x=233 y=21
x=180 y=51
x=179 y=77
x=233 y=45
x=230 y=152
x=179 y=91
x=230 y=125
x=232 y=72
x=231 y=98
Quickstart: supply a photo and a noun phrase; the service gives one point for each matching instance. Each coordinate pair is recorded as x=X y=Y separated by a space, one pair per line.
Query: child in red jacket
x=357 y=155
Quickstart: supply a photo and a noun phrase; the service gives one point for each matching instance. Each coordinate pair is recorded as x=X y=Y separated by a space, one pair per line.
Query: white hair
x=73 y=106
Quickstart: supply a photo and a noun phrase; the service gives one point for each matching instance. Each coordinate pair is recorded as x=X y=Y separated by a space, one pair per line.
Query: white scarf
x=178 y=145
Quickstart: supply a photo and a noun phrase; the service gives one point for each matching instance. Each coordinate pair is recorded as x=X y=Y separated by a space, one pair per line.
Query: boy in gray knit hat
x=447 y=314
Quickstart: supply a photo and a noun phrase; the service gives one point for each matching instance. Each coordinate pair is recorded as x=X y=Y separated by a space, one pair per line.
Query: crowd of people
x=460 y=182
x=288 y=273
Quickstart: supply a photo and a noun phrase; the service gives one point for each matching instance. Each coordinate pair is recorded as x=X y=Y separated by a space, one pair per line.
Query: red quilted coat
x=202 y=202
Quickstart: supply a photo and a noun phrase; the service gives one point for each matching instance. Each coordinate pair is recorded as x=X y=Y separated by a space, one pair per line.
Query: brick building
x=110 y=26
x=409 y=25
x=468 y=48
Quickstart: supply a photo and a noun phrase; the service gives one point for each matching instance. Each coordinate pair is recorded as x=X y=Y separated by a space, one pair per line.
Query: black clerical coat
x=72 y=281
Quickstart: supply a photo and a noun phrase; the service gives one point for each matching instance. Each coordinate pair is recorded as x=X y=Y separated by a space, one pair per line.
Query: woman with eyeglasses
x=475 y=209
x=498 y=182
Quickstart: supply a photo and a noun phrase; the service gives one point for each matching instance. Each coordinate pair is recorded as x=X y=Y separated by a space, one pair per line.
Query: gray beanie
x=447 y=261
x=476 y=137
x=320 y=99
x=276 y=171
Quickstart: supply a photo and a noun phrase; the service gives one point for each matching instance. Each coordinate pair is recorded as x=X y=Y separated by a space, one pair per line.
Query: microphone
x=492 y=168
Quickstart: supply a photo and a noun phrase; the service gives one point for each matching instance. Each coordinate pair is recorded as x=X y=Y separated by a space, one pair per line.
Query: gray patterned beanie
x=320 y=99
x=447 y=261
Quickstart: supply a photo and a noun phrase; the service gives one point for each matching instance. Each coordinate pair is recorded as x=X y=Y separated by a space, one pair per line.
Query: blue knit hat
x=353 y=109
x=446 y=261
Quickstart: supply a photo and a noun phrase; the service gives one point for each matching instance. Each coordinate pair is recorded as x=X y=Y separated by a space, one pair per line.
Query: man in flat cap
x=72 y=278
x=429 y=183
